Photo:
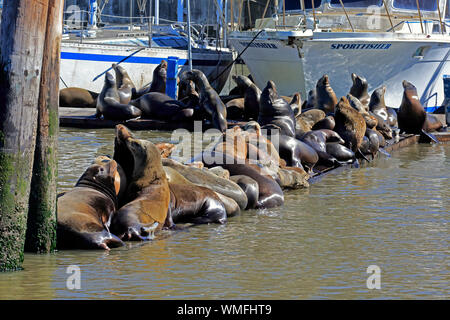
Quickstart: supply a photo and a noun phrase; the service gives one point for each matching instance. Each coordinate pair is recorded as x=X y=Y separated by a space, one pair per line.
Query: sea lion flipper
x=427 y=137
x=359 y=152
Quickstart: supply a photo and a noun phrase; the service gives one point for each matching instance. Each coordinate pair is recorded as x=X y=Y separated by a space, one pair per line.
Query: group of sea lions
x=141 y=189
x=121 y=100
x=279 y=145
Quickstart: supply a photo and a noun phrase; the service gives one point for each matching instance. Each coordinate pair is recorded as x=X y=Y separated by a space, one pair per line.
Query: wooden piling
x=23 y=31
x=41 y=223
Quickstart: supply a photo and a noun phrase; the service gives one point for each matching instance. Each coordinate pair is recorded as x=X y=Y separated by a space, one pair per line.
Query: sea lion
x=85 y=212
x=296 y=153
x=108 y=103
x=392 y=117
x=312 y=116
x=359 y=90
x=356 y=104
x=250 y=187
x=275 y=110
x=374 y=142
x=166 y=149
x=209 y=180
x=148 y=193
x=120 y=178
x=209 y=99
x=270 y=193
x=326 y=98
x=326 y=123
x=174 y=177
x=156 y=105
x=125 y=86
x=317 y=140
x=235 y=109
x=311 y=102
x=159 y=78
x=432 y=123
x=296 y=104
x=252 y=95
x=411 y=114
x=350 y=125
x=377 y=104
x=77 y=98
x=340 y=152
x=302 y=126
x=195 y=204
x=382 y=126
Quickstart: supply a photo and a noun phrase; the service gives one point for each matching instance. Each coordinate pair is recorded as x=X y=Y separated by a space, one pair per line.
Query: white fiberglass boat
x=383 y=44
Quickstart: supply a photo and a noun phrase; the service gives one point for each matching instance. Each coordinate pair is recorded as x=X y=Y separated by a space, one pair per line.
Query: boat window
x=356 y=3
x=427 y=5
x=295 y=4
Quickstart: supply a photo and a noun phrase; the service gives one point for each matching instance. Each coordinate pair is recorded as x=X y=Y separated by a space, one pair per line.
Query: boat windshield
x=356 y=3
x=426 y=5
x=295 y=4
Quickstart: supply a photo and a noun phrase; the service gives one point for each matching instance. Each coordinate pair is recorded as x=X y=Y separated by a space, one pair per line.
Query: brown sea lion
x=235 y=109
x=377 y=104
x=432 y=123
x=209 y=99
x=85 y=212
x=77 y=98
x=326 y=123
x=233 y=143
x=120 y=178
x=252 y=95
x=195 y=204
x=312 y=116
x=156 y=105
x=125 y=86
x=148 y=193
x=209 y=180
x=326 y=98
x=270 y=193
x=250 y=187
x=350 y=125
x=296 y=104
x=159 y=78
x=275 y=110
x=340 y=152
x=108 y=102
x=174 y=177
x=359 y=90
x=411 y=114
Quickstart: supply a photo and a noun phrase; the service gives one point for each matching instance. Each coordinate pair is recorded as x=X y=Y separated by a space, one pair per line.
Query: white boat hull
x=382 y=61
x=82 y=63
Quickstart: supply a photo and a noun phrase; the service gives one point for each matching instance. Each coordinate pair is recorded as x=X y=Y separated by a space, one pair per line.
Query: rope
x=239 y=55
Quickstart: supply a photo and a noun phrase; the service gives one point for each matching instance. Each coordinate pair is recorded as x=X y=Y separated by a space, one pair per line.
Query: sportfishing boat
x=385 y=41
x=88 y=51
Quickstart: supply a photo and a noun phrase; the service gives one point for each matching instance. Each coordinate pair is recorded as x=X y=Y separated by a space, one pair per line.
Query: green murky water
x=393 y=213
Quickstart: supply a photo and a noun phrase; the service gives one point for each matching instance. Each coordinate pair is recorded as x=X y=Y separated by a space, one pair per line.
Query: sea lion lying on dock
x=108 y=102
x=209 y=99
x=77 y=98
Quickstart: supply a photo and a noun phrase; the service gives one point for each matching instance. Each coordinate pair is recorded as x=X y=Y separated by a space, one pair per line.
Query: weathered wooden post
x=23 y=31
x=41 y=223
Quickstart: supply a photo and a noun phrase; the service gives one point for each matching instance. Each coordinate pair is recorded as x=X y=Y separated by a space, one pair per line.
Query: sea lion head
x=323 y=82
x=110 y=79
x=356 y=104
x=242 y=81
x=359 y=82
x=377 y=98
x=101 y=160
x=197 y=76
x=269 y=94
x=100 y=177
x=140 y=159
x=410 y=91
x=252 y=126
